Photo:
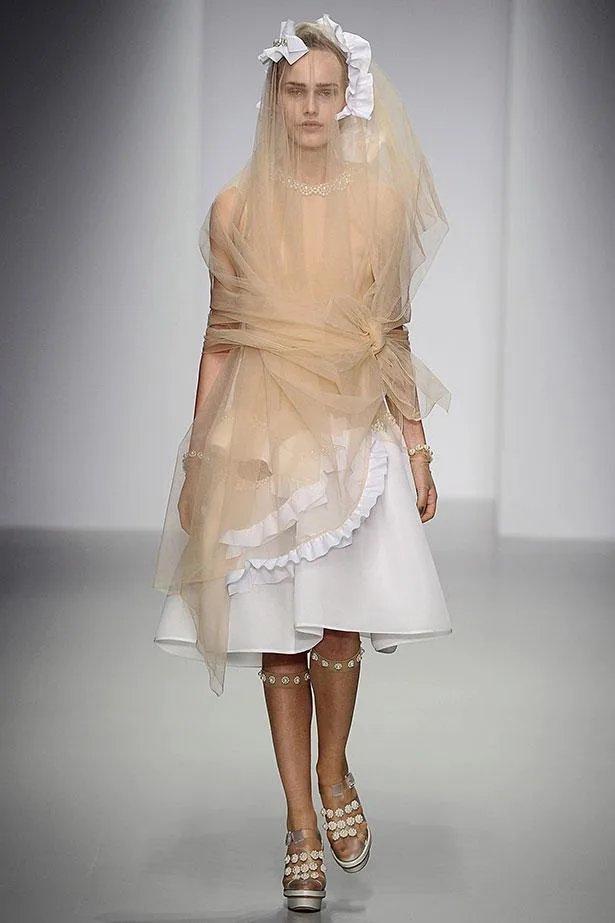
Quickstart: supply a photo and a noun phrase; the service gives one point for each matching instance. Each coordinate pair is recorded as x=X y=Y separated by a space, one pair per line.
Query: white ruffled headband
x=360 y=89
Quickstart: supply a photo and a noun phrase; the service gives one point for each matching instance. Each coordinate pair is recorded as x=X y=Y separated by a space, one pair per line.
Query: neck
x=313 y=166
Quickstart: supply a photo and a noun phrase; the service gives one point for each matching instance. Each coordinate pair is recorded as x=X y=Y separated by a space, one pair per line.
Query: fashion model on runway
x=294 y=526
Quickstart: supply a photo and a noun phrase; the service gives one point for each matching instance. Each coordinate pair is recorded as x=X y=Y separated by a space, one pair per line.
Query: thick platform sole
x=355 y=865
x=304 y=901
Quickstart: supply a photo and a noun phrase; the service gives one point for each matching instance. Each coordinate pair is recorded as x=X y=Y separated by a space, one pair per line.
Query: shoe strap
x=337 y=789
x=298 y=836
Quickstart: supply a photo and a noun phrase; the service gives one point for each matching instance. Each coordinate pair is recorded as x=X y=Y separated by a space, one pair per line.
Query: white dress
x=374 y=575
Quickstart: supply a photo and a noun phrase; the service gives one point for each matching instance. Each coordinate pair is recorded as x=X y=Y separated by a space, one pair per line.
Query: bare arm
x=209 y=368
x=413 y=432
x=221 y=220
x=210 y=365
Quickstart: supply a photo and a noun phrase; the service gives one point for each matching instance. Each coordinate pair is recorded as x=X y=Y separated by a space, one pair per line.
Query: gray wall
x=101 y=274
x=123 y=121
x=557 y=438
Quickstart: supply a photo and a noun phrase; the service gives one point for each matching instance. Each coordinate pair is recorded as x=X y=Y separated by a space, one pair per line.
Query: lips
x=311 y=125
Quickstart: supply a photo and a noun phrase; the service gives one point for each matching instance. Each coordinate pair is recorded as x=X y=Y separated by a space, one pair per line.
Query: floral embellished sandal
x=304 y=880
x=347 y=830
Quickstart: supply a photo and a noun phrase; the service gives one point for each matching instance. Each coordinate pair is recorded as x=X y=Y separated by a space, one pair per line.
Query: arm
x=211 y=363
x=220 y=229
x=218 y=259
x=209 y=367
x=392 y=235
x=412 y=430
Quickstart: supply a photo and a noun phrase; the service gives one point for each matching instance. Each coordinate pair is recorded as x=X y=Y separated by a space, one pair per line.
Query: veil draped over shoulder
x=312 y=284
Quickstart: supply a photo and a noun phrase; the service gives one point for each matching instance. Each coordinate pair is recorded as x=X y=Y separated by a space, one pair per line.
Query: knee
x=284 y=662
x=338 y=644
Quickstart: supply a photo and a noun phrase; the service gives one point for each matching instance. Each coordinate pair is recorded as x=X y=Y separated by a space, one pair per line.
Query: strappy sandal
x=303 y=865
x=344 y=821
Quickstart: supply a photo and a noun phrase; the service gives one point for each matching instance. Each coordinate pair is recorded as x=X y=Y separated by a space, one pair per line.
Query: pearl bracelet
x=193 y=453
x=423 y=447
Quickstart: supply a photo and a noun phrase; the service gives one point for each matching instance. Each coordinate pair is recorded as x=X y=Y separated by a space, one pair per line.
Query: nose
x=310 y=102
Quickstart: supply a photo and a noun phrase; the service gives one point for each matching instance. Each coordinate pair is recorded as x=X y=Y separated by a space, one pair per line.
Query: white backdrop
x=149 y=107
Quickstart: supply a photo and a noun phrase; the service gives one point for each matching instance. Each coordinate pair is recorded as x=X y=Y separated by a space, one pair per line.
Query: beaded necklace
x=340 y=182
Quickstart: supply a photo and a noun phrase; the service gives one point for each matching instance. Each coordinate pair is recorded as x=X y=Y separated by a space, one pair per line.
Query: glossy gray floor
x=485 y=759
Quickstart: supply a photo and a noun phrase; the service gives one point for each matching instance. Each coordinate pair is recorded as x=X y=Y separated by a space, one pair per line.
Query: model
x=294 y=527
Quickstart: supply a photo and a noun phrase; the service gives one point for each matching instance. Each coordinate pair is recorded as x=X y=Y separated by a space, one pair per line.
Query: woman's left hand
x=426 y=494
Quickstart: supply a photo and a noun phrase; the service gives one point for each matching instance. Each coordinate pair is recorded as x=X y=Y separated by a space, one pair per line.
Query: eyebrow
x=296 y=83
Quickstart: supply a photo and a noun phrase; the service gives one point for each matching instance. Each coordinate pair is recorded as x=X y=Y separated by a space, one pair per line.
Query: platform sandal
x=345 y=824
x=304 y=880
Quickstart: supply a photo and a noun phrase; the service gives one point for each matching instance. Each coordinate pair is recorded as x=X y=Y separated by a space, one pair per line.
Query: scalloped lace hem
x=274 y=570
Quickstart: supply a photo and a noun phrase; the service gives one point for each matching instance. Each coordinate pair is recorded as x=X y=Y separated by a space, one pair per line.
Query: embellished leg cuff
x=337 y=664
x=284 y=679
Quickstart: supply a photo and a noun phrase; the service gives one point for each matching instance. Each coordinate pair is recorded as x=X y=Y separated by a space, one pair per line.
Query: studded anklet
x=333 y=664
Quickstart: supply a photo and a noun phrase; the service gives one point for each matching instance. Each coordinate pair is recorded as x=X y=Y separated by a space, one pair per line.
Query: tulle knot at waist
x=376 y=337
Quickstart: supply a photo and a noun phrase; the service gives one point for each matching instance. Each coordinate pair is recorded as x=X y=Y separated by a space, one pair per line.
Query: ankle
x=301 y=818
x=330 y=772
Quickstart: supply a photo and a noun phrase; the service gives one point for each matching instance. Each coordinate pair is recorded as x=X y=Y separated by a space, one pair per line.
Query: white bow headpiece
x=360 y=89
x=288 y=45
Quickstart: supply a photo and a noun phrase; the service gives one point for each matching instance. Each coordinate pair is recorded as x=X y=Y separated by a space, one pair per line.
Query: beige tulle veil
x=315 y=249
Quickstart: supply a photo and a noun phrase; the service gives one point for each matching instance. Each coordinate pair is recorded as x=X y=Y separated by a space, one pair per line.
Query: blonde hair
x=314 y=37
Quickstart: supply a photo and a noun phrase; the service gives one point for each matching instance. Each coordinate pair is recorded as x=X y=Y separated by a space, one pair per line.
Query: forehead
x=317 y=66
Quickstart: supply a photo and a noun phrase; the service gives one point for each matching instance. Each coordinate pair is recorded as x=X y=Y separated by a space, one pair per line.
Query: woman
x=294 y=523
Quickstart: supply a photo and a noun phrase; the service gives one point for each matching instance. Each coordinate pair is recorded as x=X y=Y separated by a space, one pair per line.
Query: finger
x=421 y=499
x=431 y=506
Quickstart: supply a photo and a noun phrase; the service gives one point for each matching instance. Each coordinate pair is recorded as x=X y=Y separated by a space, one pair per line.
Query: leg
x=335 y=667
x=288 y=696
x=335 y=693
x=290 y=716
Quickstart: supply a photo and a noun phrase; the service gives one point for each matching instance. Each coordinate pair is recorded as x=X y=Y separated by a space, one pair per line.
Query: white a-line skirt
x=374 y=575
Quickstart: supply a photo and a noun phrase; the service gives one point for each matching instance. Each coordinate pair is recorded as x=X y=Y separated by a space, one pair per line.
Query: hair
x=314 y=37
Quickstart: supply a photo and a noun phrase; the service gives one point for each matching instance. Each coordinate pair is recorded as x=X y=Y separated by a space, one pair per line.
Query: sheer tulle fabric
x=310 y=293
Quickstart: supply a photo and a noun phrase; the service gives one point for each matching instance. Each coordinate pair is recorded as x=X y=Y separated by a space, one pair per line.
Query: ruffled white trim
x=360 y=89
x=273 y=570
x=303 y=499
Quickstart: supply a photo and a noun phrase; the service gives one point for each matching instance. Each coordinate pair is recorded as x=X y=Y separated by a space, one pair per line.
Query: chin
x=311 y=141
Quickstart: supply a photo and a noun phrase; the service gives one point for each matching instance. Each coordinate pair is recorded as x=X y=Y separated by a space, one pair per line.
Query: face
x=312 y=93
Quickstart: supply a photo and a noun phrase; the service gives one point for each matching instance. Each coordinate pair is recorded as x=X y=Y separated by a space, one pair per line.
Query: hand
x=426 y=494
x=185 y=504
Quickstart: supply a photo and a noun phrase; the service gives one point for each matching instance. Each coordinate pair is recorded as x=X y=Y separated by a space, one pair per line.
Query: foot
x=344 y=821
x=304 y=880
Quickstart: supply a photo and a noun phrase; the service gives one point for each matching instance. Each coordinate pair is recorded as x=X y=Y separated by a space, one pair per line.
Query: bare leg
x=290 y=717
x=335 y=692
x=288 y=697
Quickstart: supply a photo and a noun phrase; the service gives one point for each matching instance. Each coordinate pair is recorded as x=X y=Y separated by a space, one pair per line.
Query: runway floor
x=484 y=759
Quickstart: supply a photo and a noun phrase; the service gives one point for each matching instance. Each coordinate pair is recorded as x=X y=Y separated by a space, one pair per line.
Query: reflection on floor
x=484 y=759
